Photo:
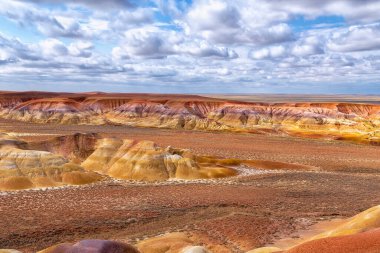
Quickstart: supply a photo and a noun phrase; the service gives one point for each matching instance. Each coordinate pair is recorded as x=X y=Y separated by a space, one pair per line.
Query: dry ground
x=232 y=216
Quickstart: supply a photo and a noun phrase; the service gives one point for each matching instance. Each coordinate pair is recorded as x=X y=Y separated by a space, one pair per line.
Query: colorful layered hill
x=23 y=168
x=346 y=121
x=87 y=158
x=144 y=160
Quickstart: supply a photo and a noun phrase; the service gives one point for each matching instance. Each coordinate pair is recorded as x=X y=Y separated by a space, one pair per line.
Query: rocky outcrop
x=144 y=160
x=343 y=121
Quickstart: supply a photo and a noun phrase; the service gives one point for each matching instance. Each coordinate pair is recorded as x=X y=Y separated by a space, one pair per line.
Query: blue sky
x=199 y=46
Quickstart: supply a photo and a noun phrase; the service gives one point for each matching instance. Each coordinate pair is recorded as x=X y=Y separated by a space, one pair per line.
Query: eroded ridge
x=331 y=120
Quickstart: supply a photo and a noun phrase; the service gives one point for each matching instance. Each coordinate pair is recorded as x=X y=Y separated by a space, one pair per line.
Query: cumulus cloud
x=223 y=22
x=356 y=38
x=308 y=46
x=154 y=43
x=177 y=42
x=352 y=10
x=270 y=52
x=99 y=4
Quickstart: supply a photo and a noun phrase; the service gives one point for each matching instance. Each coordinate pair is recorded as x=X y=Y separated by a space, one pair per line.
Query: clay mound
x=19 y=160
x=265 y=250
x=144 y=160
x=16 y=183
x=105 y=151
x=173 y=242
x=366 y=242
x=80 y=177
x=195 y=249
x=92 y=246
x=44 y=181
x=23 y=169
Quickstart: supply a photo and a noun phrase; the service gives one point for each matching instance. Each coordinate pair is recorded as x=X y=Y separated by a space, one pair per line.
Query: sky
x=191 y=46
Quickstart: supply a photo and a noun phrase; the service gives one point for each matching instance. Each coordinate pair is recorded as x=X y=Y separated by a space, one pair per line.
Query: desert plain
x=183 y=173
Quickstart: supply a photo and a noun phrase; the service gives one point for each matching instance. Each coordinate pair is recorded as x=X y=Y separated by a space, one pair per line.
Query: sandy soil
x=233 y=215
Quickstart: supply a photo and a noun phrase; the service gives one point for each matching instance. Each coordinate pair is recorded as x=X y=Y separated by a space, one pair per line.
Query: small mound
x=16 y=183
x=92 y=246
x=44 y=182
x=24 y=169
x=265 y=250
x=79 y=178
x=195 y=249
x=172 y=242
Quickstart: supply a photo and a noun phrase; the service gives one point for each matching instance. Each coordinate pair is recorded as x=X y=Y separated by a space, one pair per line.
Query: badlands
x=99 y=172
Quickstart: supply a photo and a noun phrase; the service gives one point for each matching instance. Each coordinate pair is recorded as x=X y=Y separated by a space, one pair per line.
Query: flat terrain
x=232 y=215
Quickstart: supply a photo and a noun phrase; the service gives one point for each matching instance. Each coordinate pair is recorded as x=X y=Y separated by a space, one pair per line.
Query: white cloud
x=356 y=38
x=270 y=52
x=224 y=42
x=52 y=48
x=155 y=43
x=98 y=4
x=81 y=49
x=233 y=22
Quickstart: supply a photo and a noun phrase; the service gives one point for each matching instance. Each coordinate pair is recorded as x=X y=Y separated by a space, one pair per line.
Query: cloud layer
x=191 y=46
